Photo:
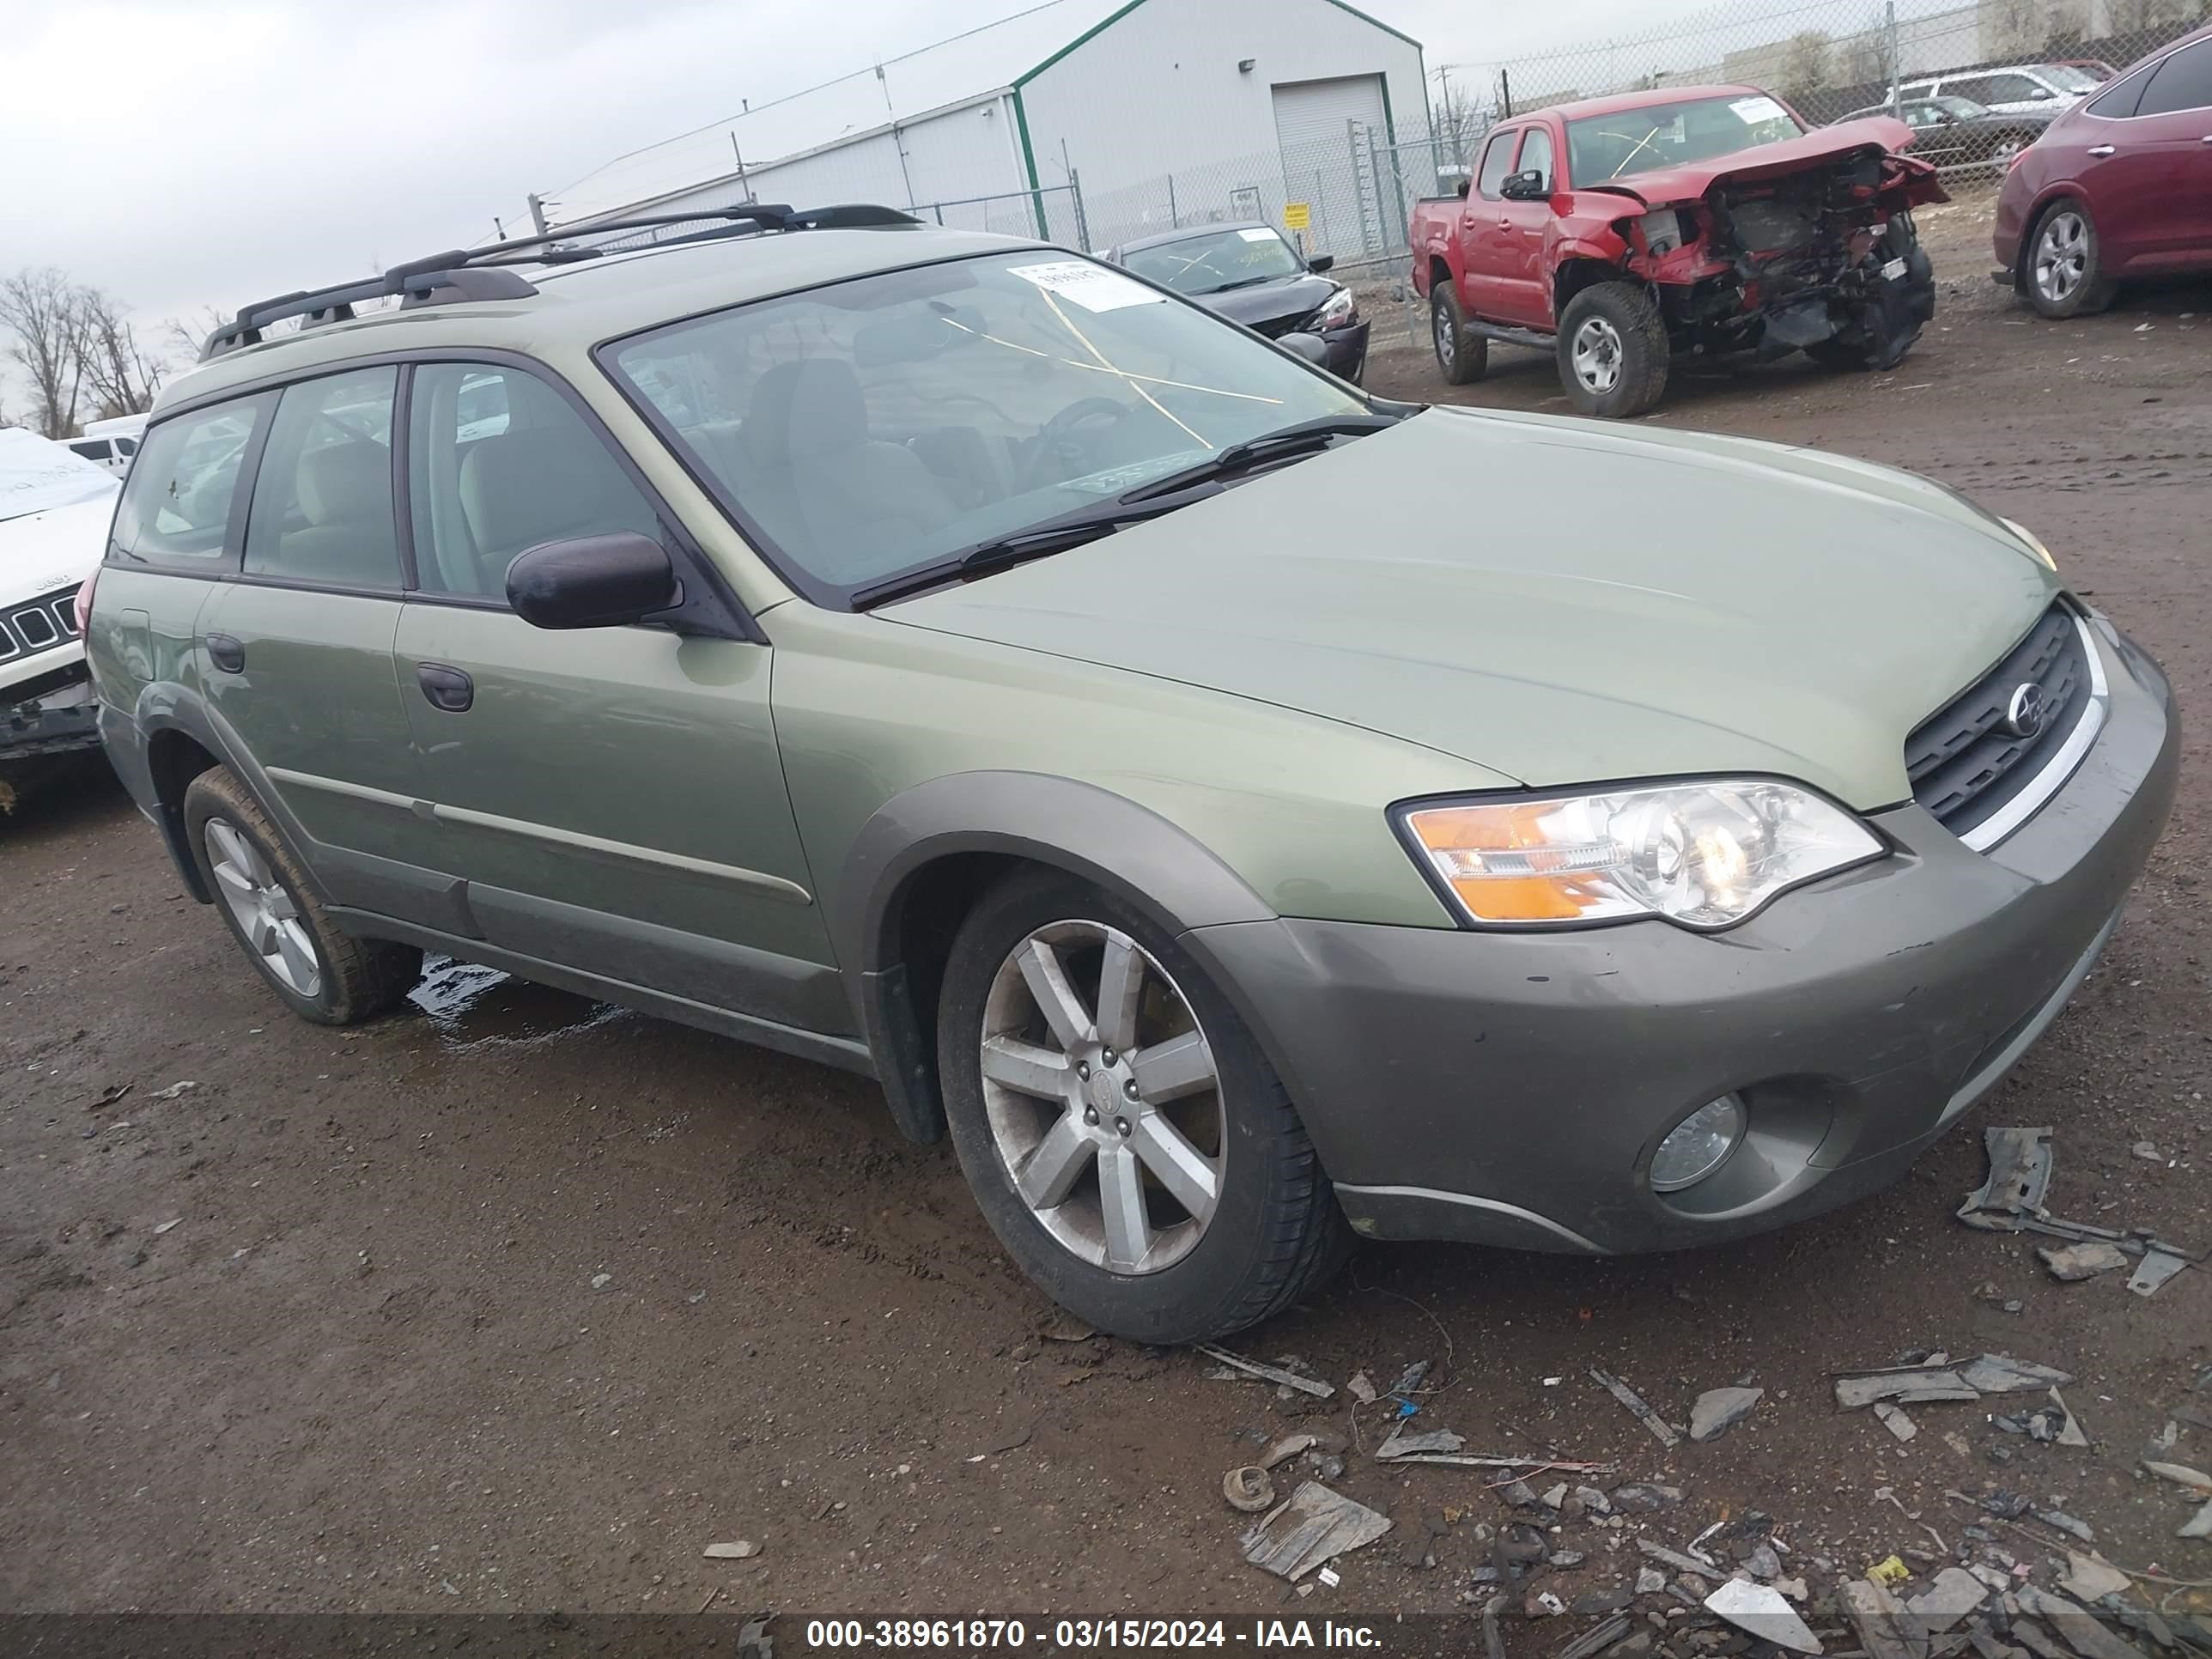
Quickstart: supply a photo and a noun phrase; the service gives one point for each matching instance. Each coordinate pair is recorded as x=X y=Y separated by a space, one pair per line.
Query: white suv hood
x=58 y=548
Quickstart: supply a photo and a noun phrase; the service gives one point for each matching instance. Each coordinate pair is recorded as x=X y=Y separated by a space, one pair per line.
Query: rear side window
x=178 y=507
x=1496 y=162
x=92 y=449
x=2182 y=82
x=322 y=504
x=2120 y=100
x=498 y=460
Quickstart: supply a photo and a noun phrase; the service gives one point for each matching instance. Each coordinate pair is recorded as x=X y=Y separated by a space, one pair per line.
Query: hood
x=1665 y=186
x=56 y=548
x=1558 y=602
x=37 y=472
x=1282 y=299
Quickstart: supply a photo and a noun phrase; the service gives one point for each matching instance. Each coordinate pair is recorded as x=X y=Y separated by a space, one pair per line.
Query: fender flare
x=1128 y=850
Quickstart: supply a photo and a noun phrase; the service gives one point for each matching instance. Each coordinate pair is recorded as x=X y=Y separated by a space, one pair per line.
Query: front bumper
x=56 y=720
x=1347 y=350
x=1511 y=1089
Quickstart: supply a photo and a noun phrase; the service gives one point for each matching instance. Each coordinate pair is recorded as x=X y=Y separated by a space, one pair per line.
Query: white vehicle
x=2016 y=90
x=55 y=510
x=110 y=443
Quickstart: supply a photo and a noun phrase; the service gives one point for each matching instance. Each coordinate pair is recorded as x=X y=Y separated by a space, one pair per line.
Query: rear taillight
x=83 y=605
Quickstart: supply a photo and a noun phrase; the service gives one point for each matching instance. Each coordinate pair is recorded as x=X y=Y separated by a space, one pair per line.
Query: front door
x=613 y=797
x=295 y=648
x=1485 y=230
x=1523 y=296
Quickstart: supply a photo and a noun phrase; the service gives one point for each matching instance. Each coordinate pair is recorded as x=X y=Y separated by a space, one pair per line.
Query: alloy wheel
x=1440 y=326
x=1596 y=354
x=1102 y=1098
x=263 y=909
x=2062 y=256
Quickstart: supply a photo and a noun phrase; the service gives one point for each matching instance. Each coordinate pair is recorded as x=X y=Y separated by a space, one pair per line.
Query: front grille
x=1275 y=327
x=1968 y=761
x=40 y=623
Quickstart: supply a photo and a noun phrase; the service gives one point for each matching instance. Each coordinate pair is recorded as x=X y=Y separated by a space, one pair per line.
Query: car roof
x=579 y=305
x=1139 y=243
x=1624 y=101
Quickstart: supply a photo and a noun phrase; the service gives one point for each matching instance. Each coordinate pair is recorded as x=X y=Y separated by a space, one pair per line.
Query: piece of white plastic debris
x=741 y=1549
x=1328 y=1577
x=1362 y=1387
x=174 y=1089
x=600 y=1281
x=163 y=1226
x=1761 y=1610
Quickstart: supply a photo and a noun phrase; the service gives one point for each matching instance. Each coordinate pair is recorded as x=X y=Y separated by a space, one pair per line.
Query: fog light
x=1698 y=1146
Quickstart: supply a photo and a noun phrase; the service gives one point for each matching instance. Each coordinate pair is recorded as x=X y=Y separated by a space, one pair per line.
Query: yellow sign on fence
x=1298 y=216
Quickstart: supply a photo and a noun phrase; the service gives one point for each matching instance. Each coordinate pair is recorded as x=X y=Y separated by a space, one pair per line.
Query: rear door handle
x=226 y=653
x=2107 y=149
x=448 y=688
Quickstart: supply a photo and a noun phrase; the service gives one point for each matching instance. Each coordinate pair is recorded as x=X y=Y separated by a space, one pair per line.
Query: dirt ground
x=326 y=1330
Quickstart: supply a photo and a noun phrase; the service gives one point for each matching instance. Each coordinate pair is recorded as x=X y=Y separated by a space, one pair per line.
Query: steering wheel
x=1059 y=451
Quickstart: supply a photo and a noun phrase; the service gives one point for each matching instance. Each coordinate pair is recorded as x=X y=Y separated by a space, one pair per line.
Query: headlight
x=1338 y=310
x=1663 y=230
x=2034 y=541
x=1703 y=855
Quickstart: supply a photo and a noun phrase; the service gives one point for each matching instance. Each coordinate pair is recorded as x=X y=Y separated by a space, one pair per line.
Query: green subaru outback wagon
x=1243 y=813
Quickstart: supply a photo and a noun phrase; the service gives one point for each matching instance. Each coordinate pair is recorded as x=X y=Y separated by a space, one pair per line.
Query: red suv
x=2120 y=185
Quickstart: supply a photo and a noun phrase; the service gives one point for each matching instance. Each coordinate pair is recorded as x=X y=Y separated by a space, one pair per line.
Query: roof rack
x=466 y=274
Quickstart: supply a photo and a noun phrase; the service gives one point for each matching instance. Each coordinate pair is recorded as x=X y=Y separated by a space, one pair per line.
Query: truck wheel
x=320 y=973
x=1612 y=350
x=2065 y=263
x=1124 y=1136
x=1463 y=354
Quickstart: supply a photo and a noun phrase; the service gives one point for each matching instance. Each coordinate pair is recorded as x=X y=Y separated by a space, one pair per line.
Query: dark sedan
x=1251 y=276
x=1958 y=132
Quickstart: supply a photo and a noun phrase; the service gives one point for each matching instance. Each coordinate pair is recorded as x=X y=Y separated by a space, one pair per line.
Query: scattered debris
x=2182 y=1476
x=743 y=1549
x=1915 y=1385
x=174 y=1091
x=2090 y=1577
x=1362 y=1387
x=1702 y=1570
x=600 y=1281
x=1314 y=1526
x=1328 y=1577
x=1402 y=1444
x=1249 y=1489
x=2070 y=1431
x=1287 y=1448
x=1879 y=1618
x=2020 y=1176
x=1485 y=1461
x=1646 y=1499
x=161 y=1227
x=1662 y=1430
x=1761 y=1610
x=1887 y=1572
x=109 y=1096
x=2200 y=1526
x=2148 y=1151
x=2076 y=1626
x=2157 y=1266
x=1997 y=1373
x=1276 y=1374
x=1719 y=1410
x=1894 y=1420
x=1543 y=1604
x=1953 y=1594
x=1067 y=1328
x=2067 y=1523
x=1599 y=1637
x=1410 y=1380
x=1650 y=1581
x=2075 y=1262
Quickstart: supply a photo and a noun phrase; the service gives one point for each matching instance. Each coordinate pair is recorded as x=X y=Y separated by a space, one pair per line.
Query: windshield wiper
x=1269 y=446
x=1041 y=541
x=1242 y=281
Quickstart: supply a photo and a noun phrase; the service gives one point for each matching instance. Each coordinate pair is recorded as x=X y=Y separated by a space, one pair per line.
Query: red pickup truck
x=1621 y=233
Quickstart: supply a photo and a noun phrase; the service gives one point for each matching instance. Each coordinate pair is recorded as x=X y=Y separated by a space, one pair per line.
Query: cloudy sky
x=182 y=153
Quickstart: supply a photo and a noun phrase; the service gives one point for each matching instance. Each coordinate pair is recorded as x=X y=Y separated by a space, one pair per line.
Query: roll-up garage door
x=1311 y=130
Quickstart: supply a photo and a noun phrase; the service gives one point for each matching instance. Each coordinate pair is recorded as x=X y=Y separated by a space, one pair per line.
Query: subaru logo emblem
x=2023 y=715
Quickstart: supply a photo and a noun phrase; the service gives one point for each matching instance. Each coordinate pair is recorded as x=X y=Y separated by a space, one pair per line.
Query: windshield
x=1222 y=258
x=36 y=474
x=869 y=428
x=1634 y=141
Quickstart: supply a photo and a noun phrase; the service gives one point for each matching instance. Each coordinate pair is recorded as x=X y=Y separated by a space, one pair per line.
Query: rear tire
x=1612 y=350
x=1463 y=357
x=2064 y=267
x=1224 y=1216
x=267 y=902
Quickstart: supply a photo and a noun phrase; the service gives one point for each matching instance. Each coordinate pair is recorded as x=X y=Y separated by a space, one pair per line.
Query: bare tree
x=189 y=334
x=39 y=308
x=1805 y=64
x=121 y=378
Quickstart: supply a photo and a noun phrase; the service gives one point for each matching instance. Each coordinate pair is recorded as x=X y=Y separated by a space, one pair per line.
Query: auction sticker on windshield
x=1754 y=110
x=1092 y=286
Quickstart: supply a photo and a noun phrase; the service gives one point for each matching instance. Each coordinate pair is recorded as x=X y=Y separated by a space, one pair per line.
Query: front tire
x=271 y=908
x=1463 y=356
x=2065 y=265
x=1124 y=1136
x=1612 y=350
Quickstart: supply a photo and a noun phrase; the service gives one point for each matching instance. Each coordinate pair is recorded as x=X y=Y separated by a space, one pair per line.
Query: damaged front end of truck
x=1804 y=246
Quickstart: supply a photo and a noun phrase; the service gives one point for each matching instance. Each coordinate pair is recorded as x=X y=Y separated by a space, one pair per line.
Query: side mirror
x=1322 y=261
x=1312 y=347
x=593 y=581
x=1462 y=188
x=1527 y=186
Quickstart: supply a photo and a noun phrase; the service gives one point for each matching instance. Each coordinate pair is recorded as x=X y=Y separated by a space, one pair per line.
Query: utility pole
x=740 y=155
x=538 y=213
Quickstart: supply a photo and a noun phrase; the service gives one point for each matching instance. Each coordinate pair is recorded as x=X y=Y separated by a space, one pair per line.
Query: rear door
x=2153 y=195
x=613 y=797
x=295 y=645
x=1487 y=248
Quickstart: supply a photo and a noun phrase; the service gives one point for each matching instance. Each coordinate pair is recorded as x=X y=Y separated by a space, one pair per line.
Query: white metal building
x=1244 y=100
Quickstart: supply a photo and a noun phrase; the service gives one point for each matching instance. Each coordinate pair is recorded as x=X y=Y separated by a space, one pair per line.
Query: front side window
x=322 y=502
x=498 y=461
x=1219 y=261
x=1634 y=141
x=1496 y=162
x=2182 y=82
x=870 y=427
x=177 y=506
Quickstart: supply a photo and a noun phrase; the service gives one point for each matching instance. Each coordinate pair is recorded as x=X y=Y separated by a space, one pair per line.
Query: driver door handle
x=2107 y=149
x=448 y=688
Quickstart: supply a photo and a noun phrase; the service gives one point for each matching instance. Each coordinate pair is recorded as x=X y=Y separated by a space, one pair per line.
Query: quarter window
x=1496 y=162
x=2182 y=82
x=177 y=507
x=322 y=503
x=499 y=461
